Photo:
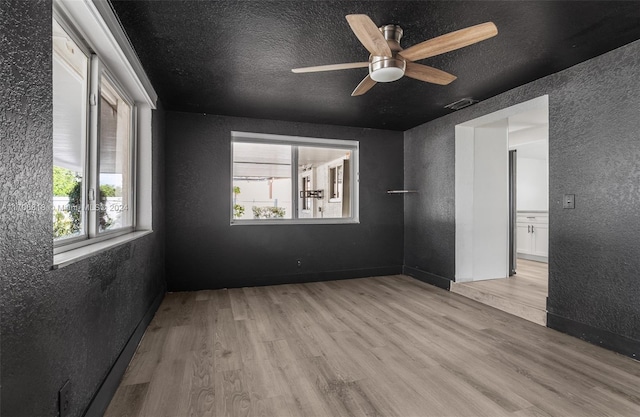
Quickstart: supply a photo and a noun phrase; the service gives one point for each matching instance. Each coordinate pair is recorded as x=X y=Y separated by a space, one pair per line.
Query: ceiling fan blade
x=450 y=41
x=331 y=67
x=369 y=34
x=364 y=86
x=428 y=74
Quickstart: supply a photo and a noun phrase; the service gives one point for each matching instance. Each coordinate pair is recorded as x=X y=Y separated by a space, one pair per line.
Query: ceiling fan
x=389 y=62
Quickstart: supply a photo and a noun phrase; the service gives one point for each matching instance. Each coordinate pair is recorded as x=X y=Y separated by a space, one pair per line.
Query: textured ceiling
x=235 y=57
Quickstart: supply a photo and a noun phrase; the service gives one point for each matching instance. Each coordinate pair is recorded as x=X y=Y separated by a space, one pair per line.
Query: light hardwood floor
x=385 y=346
x=523 y=295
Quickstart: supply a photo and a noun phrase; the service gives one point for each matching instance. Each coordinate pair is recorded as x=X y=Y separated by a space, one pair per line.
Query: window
x=335 y=182
x=94 y=146
x=115 y=160
x=305 y=196
x=284 y=179
x=70 y=99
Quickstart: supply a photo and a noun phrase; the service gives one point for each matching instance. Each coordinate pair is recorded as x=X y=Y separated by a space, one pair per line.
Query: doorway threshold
x=523 y=295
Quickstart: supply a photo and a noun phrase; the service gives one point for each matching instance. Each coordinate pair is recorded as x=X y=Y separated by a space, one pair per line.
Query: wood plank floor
x=523 y=295
x=385 y=346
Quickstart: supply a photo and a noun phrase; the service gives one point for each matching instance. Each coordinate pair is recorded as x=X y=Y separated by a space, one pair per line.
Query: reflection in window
x=322 y=174
x=335 y=182
x=70 y=83
x=326 y=166
x=114 y=208
x=262 y=179
x=305 y=195
x=94 y=145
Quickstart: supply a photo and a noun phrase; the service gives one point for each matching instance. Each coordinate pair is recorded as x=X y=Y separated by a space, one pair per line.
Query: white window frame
x=97 y=32
x=295 y=142
x=99 y=72
x=79 y=240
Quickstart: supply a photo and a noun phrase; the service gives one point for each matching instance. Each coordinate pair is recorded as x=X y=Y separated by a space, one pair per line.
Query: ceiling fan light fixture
x=389 y=61
x=384 y=69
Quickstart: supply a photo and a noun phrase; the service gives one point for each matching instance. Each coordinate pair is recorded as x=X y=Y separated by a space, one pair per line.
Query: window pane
x=261 y=181
x=115 y=159
x=323 y=179
x=69 y=135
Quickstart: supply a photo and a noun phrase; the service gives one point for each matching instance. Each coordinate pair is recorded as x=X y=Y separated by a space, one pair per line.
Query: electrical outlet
x=64 y=400
x=569 y=201
x=299 y=262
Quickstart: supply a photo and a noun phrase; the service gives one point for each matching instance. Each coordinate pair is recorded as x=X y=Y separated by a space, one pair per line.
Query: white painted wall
x=533 y=186
x=482 y=206
x=532 y=171
x=491 y=202
x=465 y=151
x=535 y=134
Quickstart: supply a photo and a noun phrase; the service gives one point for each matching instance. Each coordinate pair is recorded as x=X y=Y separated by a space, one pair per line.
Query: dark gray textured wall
x=594 y=153
x=594 y=148
x=429 y=230
x=71 y=323
x=204 y=251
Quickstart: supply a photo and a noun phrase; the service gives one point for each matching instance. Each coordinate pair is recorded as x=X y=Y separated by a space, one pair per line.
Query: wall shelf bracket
x=402 y=191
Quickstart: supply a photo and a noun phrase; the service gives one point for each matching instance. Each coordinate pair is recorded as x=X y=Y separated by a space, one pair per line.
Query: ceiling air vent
x=461 y=104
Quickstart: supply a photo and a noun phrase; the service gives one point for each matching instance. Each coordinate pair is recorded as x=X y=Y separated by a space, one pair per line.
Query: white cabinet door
x=532 y=233
x=540 y=240
x=523 y=238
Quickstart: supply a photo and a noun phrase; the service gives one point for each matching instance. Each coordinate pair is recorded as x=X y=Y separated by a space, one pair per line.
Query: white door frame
x=473 y=262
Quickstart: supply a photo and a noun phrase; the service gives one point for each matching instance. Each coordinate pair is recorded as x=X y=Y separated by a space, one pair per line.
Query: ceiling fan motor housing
x=392 y=33
x=384 y=69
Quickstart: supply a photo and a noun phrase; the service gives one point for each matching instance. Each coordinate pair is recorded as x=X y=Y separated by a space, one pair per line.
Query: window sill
x=300 y=221
x=63 y=259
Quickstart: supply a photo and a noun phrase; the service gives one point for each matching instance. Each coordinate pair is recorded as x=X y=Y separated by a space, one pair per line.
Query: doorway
x=502 y=209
